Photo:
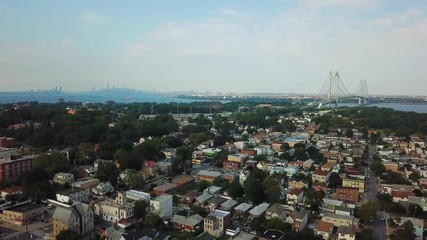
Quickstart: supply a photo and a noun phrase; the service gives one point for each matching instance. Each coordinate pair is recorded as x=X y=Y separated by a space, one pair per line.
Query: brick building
x=11 y=168
x=348 y=194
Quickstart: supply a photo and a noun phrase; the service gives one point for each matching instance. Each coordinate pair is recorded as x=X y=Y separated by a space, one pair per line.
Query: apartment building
x=162 y=205
x=13 y=167
x=354 y=183
x=78 y=217
x=216 y=222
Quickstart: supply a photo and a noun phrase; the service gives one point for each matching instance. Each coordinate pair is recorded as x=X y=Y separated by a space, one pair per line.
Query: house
x=203 y=199
x=63 y=178
x=294 y=196
x=16 y=190
x=258 y=210
x=18 y=215
x=216 y=222
x=276 y=211
x=162 y=205
x=347 y=194
x=228 y=205
x=319 y=187
x=392 y=166
x=300 y=184
x=208 y=175
x=347 y=233
x=113 y=210
x=190 y=196
x=169 y=188
x=354 y=183
x=183 y=182
x=86 y=183
x=214 y=190
x=103 y=188
x=418 y=226
x=401 y=196
x=78 y=217
x=73 y=194
x=215 y=202
x=149 y=168
x=137 y=195
x=321 y=176
x=324 y=229
x=243 y=208
x=340 y=220
x=98 y=162
x=187 y=223
x=418 y=200
x=298 y=219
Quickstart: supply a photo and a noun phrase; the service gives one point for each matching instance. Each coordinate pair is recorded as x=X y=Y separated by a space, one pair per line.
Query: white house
x=162 y=205
x=73 y=194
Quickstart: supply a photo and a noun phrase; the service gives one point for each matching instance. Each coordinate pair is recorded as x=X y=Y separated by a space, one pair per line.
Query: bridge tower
x=333 y=90
x=362 y=91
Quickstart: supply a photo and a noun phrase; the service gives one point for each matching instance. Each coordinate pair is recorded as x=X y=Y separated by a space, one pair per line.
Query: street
x=371 y=195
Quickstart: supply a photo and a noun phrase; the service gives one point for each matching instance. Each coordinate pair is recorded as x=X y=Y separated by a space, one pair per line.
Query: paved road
x=371 y=195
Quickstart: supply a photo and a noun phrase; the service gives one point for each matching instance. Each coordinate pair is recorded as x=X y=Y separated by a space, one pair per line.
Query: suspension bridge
x=334 y=91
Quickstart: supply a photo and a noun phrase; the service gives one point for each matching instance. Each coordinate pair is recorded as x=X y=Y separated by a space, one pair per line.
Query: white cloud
x=93 y=17
x=228 y=52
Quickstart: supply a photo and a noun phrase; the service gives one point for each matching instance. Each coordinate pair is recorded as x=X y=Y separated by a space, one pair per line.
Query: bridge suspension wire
x=334 y=90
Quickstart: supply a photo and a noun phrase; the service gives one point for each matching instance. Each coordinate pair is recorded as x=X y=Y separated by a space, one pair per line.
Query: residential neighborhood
x=221 y=177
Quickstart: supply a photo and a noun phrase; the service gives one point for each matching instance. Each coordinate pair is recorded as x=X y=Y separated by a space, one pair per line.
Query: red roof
x=149 y=163
x=15 y=189
x=402 y=194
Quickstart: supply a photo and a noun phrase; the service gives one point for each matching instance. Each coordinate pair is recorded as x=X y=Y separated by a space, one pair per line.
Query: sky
x=239 y=46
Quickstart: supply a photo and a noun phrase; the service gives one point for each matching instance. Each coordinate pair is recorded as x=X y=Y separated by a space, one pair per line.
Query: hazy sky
x=216 y=45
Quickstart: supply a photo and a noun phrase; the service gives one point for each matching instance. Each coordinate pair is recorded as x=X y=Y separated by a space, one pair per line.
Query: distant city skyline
x=240 y=46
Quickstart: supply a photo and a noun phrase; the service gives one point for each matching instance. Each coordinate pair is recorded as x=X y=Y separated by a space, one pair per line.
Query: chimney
x=21 y=151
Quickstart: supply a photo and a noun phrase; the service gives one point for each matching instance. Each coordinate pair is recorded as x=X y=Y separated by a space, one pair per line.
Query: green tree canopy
x=368 y=211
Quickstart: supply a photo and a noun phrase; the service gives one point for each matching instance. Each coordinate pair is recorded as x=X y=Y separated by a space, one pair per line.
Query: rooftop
x=25 y=208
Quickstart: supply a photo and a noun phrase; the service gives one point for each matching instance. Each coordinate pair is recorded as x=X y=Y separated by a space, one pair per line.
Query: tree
x=236 y=189
x=253 y=186
x=140 y=208
x=68 y=234
x=134 y=179
x=202 y=185
x=368 y=211
x=86 y=152
x=378 y=167
x=414 y=176
x=154 y=221
x=258 y=224
x=221 y=182
x=334 y=180
x=53 y=162
x=349 y=133
x=272 y=189
x=384 y=199
x=415 y=210
x=405 y=231
x=313 y=199
x=365 y=234
x=278 y=224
